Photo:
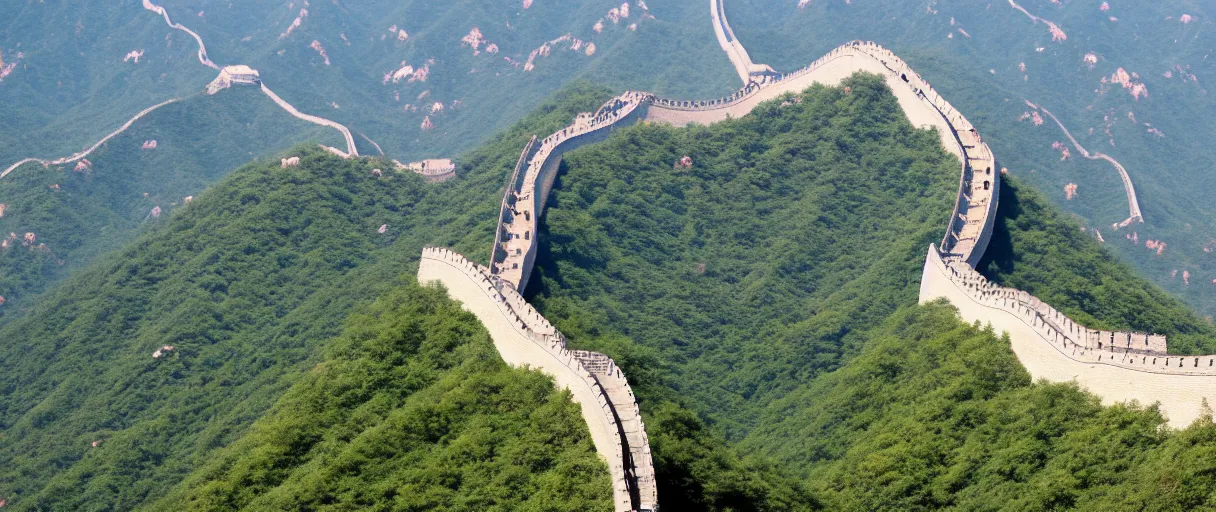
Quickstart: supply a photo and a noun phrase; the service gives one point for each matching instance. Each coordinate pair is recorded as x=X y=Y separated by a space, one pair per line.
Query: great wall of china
x=524 y=338
x=85 y=153
x=222 y=81
x=1116 y=366
x=1133 y=204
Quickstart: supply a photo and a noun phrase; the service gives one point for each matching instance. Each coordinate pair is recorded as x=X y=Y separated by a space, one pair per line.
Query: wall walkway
x=971 y=219
x=739 y=58
x=1052 y=346
x=524 y=338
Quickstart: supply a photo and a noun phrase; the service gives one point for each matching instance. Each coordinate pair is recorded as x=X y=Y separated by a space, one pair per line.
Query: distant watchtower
x=238 y=74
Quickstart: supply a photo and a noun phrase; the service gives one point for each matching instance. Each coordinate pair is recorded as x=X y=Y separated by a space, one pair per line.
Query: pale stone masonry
x=229 y=75
x=525 y=339
x=1117 y=367
x=739 y=58
x=970 y=226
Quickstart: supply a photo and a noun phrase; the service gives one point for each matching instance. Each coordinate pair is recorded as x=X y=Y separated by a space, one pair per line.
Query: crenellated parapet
x=523 y=337
x=1116 y=366
x=524 y=200
x=971 y=220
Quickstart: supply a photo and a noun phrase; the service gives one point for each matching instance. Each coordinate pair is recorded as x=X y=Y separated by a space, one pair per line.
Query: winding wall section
x=202 y=48
x=524 y=338
x=82 y=154
x=739 y=58
x=351 y=150
x=515 y=245
x=970 y=221
x=1115 y=366
x=1133 y=204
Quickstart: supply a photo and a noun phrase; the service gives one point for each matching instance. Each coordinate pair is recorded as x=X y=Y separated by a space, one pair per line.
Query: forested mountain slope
x=412 y=409
x=1127 y=79
x=70 y=83
x=774 y=284
x=78 y=211
x=251 y=285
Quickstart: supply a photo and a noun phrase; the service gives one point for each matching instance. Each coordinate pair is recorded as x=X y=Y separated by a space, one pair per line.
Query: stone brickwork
x=971 y=219
x=1116 y=366
x=515 y=245
x=524 y=338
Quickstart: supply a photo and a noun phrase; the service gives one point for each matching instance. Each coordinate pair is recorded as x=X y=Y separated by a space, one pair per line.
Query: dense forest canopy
x=81 y=210
x=773 y=286
x=411 y=409
x=251 y=285
x=265 y=347
x=1129 y=80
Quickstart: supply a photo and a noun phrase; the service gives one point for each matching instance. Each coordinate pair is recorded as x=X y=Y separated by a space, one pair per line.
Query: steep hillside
x=251 y=285
x=68 y=84
x=934 y=414
x=78 y=211
x=71 y=85
x=772 y=285
x=756 y=268
x=244 y=284
x=412 y=409
x=1128 y=80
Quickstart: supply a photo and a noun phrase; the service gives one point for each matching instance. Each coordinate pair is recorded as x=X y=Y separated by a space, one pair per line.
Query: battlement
x=433 y=169
x=1116 y=366
x=524 y=337
x=1141 y=351
x=230 y=75
x=971 y=219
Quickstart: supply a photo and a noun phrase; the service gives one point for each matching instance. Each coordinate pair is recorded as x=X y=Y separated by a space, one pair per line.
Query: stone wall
x=518 y=239
x=524 y=338
x=975 y=205
x=525 y=195
x=507 y=211
x=1054 y=347
x=744 y=67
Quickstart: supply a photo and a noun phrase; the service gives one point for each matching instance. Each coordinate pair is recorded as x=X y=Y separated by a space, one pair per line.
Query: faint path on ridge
x=1133 y=205
x=82 y=154
x=202 y=48
x=351 y=149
